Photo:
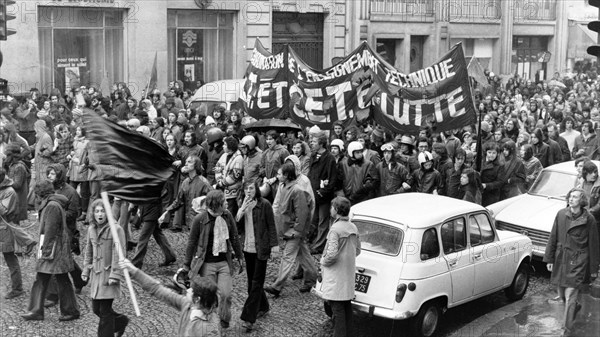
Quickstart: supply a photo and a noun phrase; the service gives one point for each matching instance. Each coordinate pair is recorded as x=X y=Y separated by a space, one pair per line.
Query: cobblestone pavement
x=293 y=314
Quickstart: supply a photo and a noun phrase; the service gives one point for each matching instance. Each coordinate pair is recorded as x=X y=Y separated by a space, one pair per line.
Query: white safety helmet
x=354 y=146
x=339 y=143
x=249 y=141
x=425 y=157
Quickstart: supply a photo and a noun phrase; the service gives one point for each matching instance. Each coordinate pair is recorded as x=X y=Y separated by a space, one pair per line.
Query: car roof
x=567 y=167
x=415 y=210
x=220 y=91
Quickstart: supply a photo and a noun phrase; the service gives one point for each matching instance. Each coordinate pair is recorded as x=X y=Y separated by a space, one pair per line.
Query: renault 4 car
x=422 y=254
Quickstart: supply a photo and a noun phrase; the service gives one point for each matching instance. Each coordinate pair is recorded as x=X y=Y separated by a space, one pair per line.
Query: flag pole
x=113 y=229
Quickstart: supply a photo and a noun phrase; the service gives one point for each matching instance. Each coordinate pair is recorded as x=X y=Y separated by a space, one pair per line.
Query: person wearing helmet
x=272 y=159
x=427 y=179
x=406 y=154
x=358 y=176
x=395 y=177
x=214 y=143
x=337 y=150
x=252 y=158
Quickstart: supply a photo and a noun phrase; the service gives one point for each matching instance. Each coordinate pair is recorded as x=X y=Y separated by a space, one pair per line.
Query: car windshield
x=553 y=184
x=379 y=238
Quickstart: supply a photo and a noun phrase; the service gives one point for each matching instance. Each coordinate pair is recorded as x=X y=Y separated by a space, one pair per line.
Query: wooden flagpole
x=113 y=229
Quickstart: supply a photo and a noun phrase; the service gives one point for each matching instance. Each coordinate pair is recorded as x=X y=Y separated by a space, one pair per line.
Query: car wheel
x=327 y=308
x=426 y=322
x=519 y=285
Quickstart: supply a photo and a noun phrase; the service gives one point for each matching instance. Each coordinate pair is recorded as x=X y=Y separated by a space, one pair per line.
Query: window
x=200 y=46
x=379 y=238
x=430 y=247
x=480 y=230
x=454 y=236
x=80 y=46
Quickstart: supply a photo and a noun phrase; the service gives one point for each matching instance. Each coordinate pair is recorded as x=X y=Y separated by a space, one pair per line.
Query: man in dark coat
x=9 y=213
x=572 y=253
x=323 y=178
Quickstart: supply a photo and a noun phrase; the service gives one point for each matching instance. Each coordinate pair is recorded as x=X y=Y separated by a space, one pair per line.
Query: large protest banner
x=283 y=85
x=265 y=93
x=439 y=95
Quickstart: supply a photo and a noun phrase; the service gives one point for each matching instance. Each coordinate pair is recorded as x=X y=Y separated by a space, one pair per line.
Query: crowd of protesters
x=238 y=194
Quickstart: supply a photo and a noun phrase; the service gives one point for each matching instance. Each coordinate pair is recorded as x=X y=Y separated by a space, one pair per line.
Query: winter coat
x=338 y=263
x=188 y=190
x=573 y=248
x=20 y=175
x=427 y=181
x=589 y=147
x=213 y=158
x=101 y=261
x=321 y=169
x=252 y=165
x=542 y=152
x=195 y=252
x=359 y=179
x=294 y=208
x=515 y=178
x=43 y=156
x=265 y=233
x=492 y=175
x=56 y=248
x=391 y=177
x=61 y=187
x=272 y=159
x=77 y=169
x=9 y=212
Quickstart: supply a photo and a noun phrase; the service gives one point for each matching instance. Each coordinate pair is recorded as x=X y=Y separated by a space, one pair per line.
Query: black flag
x=131 y=167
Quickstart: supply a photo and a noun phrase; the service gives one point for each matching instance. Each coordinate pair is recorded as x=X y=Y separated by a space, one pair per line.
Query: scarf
x=250 y=240
x=220 y=234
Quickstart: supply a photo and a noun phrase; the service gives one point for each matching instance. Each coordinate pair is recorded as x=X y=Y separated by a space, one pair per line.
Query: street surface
x=292 y=314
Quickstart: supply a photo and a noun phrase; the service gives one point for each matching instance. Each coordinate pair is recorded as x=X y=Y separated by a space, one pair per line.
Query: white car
x=533 y=213
x=422 y=254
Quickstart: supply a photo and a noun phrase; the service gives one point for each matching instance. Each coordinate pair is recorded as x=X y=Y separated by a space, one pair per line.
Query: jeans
x=342 y=318
x=16 y=282
x=66 y=294
x=257 y=299
x=221 y=274
x=321 y=226
x=84 y=192
x=110 y=321
x=296 y=248
x=570 y=295
x=149 y=229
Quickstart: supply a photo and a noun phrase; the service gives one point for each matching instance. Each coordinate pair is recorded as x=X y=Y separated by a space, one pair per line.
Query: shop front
x=80 y=46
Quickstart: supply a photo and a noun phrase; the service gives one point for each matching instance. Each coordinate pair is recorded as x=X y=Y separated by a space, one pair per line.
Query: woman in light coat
x=102 y=269
x=338 y=265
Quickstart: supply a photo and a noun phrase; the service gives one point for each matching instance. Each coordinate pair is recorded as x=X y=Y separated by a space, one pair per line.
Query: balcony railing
x=534 y=10
x=466 y=10
x=473 y=10
x=408 y=8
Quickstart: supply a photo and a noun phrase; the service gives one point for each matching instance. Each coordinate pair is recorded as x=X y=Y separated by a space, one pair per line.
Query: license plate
x=361 y=283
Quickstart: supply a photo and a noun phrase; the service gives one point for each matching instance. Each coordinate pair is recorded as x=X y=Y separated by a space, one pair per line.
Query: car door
x=458 y=259
x=489 y=261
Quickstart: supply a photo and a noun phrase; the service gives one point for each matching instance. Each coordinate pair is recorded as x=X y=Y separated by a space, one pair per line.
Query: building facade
x=66 y=43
